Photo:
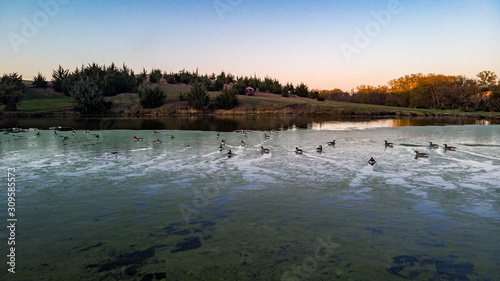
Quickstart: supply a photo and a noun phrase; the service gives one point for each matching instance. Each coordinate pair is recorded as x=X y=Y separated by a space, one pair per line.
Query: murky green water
x=117 y=209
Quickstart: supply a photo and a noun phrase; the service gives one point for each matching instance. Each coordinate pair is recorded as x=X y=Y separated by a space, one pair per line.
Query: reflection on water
x=231 y=123
x=387 y=123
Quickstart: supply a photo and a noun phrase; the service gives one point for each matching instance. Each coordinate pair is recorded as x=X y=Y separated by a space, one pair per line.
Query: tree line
x=431 y=91
x=89 y=84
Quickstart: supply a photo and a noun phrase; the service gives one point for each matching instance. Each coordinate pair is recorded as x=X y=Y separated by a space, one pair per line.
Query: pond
x=231 y=122
x=116 y=208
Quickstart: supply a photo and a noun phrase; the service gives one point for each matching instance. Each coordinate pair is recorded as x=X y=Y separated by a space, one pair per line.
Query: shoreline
x=230 y=122
x=289 y=110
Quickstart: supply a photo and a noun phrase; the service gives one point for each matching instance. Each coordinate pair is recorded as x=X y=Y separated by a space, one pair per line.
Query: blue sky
x=325 y=44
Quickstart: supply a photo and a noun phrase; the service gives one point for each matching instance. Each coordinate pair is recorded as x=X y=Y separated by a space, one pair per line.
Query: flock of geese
x=319 y=149
x=417 y=154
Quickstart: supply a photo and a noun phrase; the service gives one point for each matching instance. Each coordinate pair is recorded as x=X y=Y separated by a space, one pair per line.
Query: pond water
x=114 y=208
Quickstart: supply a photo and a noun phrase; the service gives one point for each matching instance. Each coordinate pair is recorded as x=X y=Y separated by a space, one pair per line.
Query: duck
x=155 y=132
x=388 y=144
x=420 y=154
x=298 y=150
x=266 y=136
x=229 y=153
x=319 y=149
x=220 y=147
x=158 y=141
x=137 y=139
x=242 y=143
x=264 y=150
x=372 y=161
x=223 y=142
x=446 y=147
x=331 y=143
x=432 y=145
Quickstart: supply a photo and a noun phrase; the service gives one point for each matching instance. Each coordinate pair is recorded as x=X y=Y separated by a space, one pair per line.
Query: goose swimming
x=372 y=161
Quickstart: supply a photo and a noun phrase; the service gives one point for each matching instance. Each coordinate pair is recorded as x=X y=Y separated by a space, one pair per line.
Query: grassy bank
x=47 y=102
x=43 y=100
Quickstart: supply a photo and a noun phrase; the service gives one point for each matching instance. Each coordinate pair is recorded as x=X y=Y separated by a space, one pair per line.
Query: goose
x=74 y=132
x=218 y=136
x=55 y=133
x=298 y=150
x=223 y=142
x=331 y=143
x=137 y=139
x=242 y=143
x=266 y=136
x=432 y=145
x=372 y=161
x=220 y=147
x=446 y=147
x=420 y=154
x=388 y=144
x=158 y=141
x=96 y=137
x=155 y=132
x=319 y=149
x=264 y=150
x=87 y=132
x=37 y=134
x=229 y=153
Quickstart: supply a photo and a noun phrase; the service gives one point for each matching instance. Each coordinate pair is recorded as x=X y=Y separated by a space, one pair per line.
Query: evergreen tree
x=155 y=76
x=39 y=81
x=227 y=99
x=151 y=97
x=88 y=98
x=141 y=78
x=302 y=90
x=11 y=91
x=197 y=97
x=58 y=77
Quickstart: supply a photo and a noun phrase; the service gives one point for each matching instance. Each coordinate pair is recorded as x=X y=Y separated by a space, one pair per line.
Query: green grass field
x=43 y=100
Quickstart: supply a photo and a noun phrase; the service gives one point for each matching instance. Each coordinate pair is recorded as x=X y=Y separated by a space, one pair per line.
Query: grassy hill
x=48 y=102
x=39 y=100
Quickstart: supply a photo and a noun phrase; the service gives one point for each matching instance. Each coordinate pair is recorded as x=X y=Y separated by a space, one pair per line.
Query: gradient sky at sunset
x=325 y=44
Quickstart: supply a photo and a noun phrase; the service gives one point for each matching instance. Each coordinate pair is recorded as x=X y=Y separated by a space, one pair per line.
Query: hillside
x=47 y=102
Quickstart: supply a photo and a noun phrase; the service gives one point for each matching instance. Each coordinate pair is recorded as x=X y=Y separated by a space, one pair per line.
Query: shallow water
x=114 y=208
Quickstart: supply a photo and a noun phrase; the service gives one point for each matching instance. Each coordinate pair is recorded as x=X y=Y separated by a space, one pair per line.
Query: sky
x=324 y=44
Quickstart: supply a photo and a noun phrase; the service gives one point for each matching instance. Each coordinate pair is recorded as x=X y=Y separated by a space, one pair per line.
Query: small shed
x=249 y=91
